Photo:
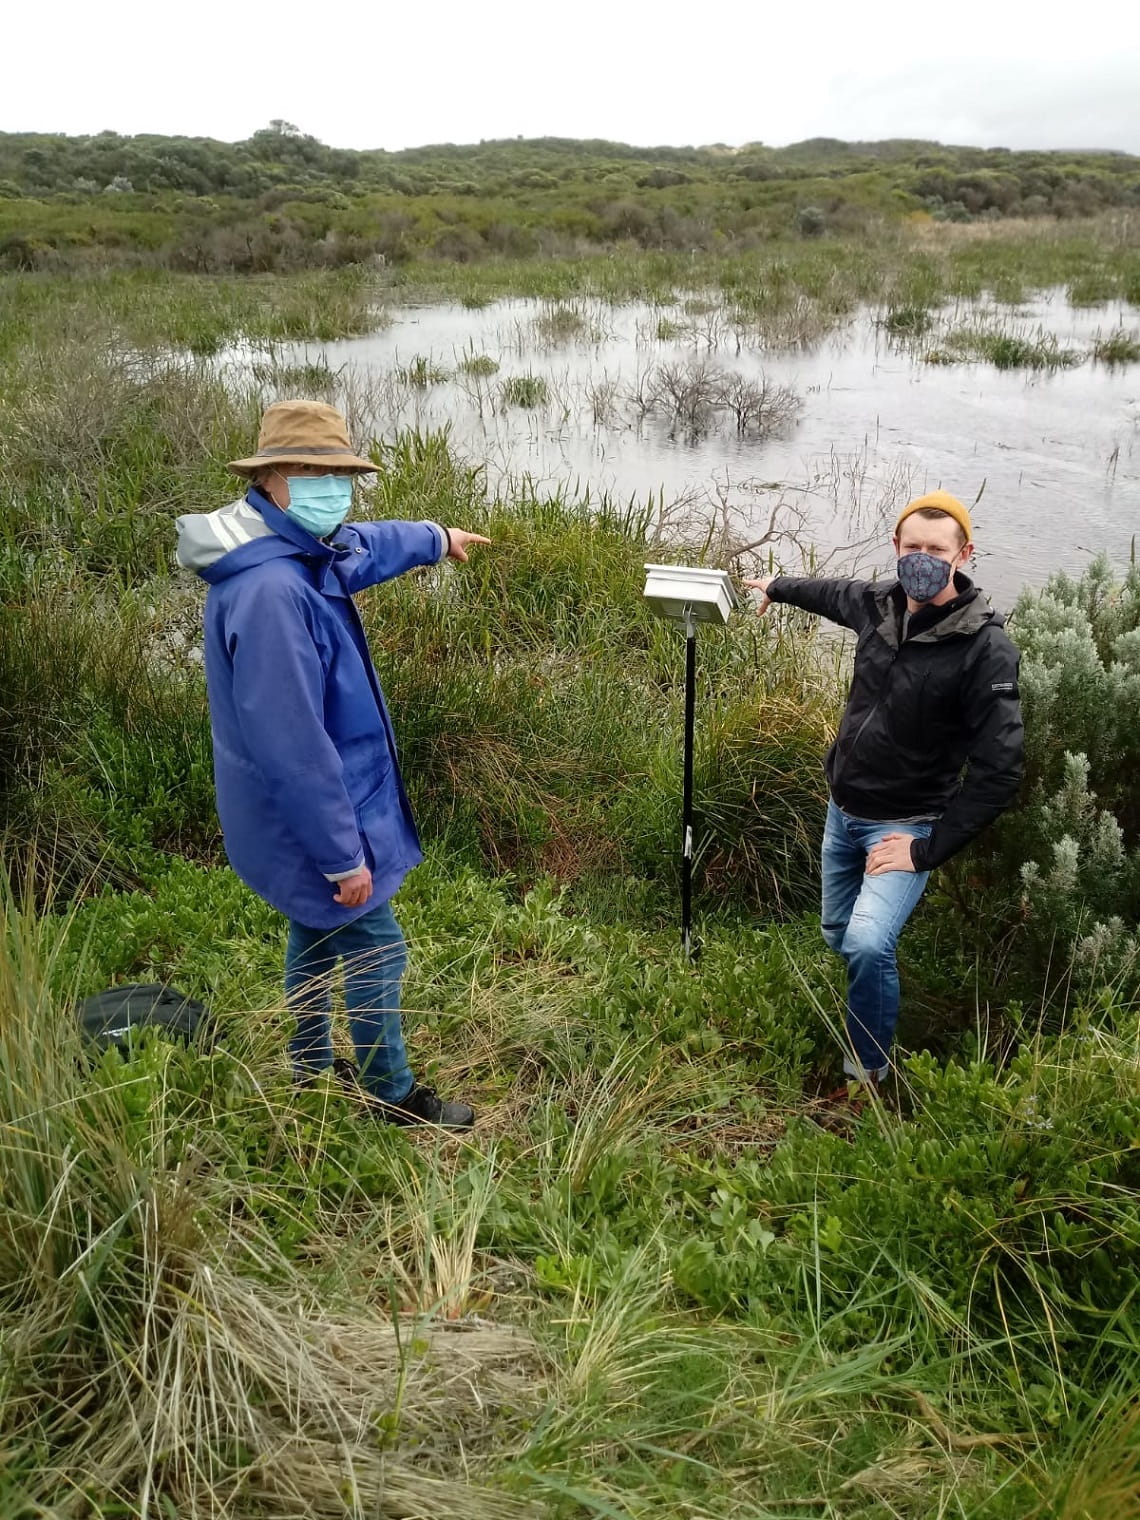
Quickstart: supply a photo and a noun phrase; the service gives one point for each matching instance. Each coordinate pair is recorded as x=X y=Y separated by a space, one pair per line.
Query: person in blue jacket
x=313 y=809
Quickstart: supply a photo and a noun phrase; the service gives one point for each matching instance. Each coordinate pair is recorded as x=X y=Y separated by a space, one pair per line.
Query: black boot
x=423 y=1106
x=344 y=1071
x=347 y=1074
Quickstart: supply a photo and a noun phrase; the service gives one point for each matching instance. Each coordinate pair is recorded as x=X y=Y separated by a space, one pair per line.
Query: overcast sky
x=366 y=75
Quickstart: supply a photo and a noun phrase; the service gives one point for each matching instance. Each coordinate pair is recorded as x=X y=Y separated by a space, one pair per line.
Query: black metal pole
x=687 y=801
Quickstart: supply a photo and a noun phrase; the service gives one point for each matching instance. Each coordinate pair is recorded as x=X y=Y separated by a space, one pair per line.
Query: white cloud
x=361 y=75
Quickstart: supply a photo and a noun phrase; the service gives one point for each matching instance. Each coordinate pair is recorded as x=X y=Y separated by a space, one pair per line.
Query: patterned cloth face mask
x=923 y=576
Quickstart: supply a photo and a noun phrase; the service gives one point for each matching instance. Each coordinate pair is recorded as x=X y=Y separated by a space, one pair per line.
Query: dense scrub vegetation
x=283 y=200
x=652 y=1282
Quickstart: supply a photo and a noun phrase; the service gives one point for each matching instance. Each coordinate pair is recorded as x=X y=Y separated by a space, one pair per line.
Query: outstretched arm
x=841 y=601
x=389 y=548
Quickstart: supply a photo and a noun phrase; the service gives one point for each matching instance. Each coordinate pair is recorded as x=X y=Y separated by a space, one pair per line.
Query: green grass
x=651 y=1282
x=480 y=366
x=557 y=323
x=1119 y=347
x=423 y=372
x=648 y=1281
x=1004 y=350
x=550 y=747
x=896 y=267
x=908 y=321
x=526 y=391
x=201 y=315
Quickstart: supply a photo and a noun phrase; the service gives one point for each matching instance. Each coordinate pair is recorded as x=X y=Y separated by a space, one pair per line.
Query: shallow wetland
x=634 y=401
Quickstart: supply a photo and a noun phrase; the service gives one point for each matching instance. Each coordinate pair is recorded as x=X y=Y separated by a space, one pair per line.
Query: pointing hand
x=459 y=542
x=762 y=586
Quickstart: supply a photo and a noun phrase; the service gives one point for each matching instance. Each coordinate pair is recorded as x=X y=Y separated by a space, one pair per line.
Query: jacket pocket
x=379 y=818
x=367 y=769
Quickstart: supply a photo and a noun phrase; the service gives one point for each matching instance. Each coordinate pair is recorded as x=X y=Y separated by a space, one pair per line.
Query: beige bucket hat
x=302 y=432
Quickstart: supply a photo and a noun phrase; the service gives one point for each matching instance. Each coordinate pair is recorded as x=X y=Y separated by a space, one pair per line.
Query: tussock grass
x=198 y=1370
x=908 y=321
x=559 y=323
x=481 y=366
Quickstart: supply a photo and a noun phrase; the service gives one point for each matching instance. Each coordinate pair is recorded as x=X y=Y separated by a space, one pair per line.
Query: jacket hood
x=219 y=544
x=206 y=537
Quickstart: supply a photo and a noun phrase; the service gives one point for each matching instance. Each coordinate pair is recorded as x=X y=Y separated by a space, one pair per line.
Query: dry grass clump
x=322 y=1414
x=237 y=1396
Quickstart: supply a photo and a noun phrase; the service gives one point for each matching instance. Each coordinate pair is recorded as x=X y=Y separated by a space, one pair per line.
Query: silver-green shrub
x=1076 y=837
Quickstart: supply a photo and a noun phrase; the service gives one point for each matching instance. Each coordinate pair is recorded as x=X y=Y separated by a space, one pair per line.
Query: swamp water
x=632 y=402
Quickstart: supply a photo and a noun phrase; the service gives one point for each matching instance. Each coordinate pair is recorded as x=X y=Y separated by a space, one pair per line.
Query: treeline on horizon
x=282 y=199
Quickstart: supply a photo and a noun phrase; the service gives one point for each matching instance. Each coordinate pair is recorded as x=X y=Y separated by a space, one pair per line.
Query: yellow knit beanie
x=944 y=502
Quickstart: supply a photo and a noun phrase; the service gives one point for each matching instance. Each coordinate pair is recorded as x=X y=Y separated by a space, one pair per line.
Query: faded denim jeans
x=374 y=955
x=862 y=919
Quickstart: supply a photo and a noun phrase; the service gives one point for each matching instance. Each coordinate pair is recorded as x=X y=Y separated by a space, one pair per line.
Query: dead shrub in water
x=603 y=397
x=694 y=394
x=640 y=394
x=761 y=406
x=690 y=393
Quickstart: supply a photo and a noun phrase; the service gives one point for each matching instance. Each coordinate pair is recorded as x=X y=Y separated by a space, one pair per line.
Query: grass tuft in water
x=908 y=321
x=1004 y=350
x=422 y=372
x=1119 y=347
x=479 y=366
x=528 y=391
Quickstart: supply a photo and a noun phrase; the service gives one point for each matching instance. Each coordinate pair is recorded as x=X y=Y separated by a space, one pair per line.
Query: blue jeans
x=863 y=917
x=375 y=956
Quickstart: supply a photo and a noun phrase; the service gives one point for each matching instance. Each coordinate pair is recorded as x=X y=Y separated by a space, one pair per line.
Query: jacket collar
x=967 y=613
x=283 y=525
x=324 y=558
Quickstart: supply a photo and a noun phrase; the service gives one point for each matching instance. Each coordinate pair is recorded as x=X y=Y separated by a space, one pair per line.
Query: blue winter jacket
x=308 y=783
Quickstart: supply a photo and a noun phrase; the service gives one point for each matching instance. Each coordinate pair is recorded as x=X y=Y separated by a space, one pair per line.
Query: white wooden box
x=669 y=589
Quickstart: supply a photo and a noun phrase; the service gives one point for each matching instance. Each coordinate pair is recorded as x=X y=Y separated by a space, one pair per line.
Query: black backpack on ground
x=111 y=1017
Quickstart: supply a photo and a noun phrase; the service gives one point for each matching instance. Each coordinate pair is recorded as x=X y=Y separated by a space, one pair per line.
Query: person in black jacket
x=929 y=750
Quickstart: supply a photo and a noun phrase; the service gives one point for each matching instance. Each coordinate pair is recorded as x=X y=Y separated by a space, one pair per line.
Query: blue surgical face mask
x=319 y=503
x=923 y=576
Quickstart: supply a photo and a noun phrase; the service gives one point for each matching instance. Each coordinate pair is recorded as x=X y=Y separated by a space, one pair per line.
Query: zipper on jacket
x=870 y=715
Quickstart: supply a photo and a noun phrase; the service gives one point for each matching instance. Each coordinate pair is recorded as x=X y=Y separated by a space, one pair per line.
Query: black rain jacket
x=932 y=726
